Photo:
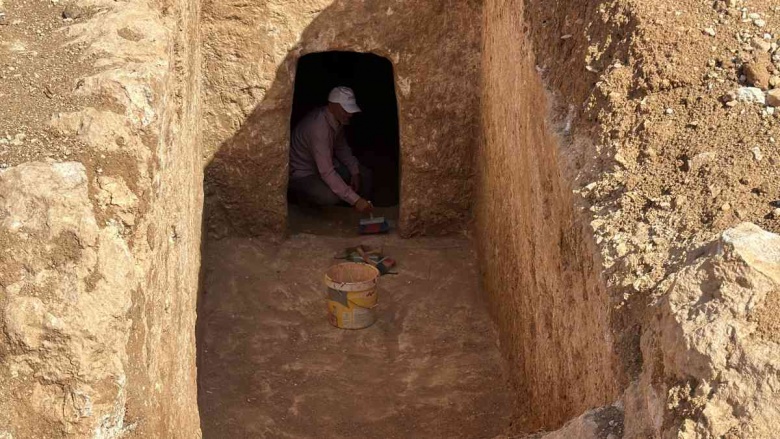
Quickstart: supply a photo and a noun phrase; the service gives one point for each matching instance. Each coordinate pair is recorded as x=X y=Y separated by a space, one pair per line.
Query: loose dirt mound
x=683 y=151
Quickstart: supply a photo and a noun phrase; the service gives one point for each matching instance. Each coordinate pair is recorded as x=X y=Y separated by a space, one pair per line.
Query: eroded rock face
x=711 y=347
x=100 y=254
x=251 y=53
x=66 y=285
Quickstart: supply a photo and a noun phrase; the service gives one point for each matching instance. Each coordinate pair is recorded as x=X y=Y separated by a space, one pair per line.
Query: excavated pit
x=558 y=359
x=594 y=173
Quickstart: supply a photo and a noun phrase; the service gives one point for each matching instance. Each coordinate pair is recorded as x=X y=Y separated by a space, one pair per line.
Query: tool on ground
x=352 y=295
x=369 y=255
x=373 y=225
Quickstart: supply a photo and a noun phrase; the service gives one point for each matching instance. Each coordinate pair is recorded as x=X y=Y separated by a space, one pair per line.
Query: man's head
x=342 y=104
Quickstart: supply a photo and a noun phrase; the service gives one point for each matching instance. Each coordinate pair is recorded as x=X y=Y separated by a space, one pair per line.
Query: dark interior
x=373 y=134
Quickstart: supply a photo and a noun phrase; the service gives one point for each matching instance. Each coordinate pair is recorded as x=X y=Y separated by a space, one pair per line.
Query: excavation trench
x=270 y=364
x=476 y=152
x=550 y=235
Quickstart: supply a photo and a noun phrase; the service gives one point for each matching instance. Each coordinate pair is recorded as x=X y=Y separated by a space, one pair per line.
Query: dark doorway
x=373 y=134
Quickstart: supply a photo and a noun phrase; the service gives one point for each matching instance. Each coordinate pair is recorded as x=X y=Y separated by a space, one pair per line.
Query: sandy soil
x=271 y=366
x=39 y=72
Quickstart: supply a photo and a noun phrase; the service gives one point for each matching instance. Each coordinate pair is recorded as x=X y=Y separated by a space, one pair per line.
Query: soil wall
x=100 y=210
x=251 y=51
x=536 y=253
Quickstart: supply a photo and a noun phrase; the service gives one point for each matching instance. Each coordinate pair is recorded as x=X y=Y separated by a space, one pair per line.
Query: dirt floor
x=271 y=366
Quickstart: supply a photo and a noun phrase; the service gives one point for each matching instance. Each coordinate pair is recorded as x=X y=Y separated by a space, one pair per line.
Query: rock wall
x=251 y=50
x=665 y=137
x=536 y=253
x=101 y=229
x=711 y=345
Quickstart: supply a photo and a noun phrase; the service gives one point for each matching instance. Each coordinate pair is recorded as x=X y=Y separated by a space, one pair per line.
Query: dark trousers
x=312 y=190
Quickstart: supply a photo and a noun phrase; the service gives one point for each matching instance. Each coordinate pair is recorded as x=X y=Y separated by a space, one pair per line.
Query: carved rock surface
x=67 y=286
x=251 y=52
x=100 y=209
x=711 y=348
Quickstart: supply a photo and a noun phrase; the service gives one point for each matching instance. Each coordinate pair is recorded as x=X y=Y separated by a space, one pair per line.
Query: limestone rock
x=758 y=73
x=115 y=192
x=700 y=160
x=761 y=44
x=709 y=361
x=65 y=312
x=751 y=95
x=97 y=307
x=24 y=320
x=773 y=98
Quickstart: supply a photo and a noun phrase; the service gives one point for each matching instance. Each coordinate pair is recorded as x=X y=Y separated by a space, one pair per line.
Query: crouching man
x=323 y=171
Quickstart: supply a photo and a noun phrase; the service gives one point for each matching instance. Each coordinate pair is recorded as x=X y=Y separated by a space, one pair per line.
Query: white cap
x=346 y=97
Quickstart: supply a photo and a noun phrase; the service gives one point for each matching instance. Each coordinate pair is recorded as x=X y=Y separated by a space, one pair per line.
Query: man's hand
x=355 y=182
x=363 y=206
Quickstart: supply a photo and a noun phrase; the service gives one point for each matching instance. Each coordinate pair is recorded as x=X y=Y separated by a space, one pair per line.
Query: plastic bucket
x=352 y=295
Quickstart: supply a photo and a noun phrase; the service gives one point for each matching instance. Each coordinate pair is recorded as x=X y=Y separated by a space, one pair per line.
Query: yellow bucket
x=352 y=295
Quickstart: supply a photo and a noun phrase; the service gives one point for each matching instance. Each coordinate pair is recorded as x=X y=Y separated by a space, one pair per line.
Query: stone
x=750 y=95
x=97 y=319
x=114 y=192
x=72 y=11
x=18 y=139
x=761 y=44
x=701 y=159
x=757 y=155
x=729 y=97
x=49 y=203
x=24 y=320
x=773 y=97
x=712 y=313
x=621 y=160
x=709 y=31
x=757 y=74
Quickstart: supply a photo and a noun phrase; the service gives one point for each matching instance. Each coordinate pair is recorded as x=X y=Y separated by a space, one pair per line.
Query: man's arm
x=344 y=153
x=321 y=150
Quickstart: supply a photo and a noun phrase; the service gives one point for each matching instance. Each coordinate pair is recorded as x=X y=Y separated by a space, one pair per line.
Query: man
x=316 y=140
